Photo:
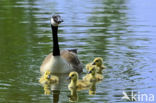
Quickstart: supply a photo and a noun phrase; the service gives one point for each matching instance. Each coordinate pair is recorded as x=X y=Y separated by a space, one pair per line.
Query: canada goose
x=60 y=62
x=77 y=84
x=98 y=62
x=48 y=78
x=92 y=76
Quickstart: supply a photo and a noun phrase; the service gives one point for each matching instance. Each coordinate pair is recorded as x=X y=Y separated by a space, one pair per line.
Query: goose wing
x=71 y=57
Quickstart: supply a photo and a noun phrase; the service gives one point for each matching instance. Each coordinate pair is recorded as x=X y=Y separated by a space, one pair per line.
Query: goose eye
x=72 y=75
x=55 y=19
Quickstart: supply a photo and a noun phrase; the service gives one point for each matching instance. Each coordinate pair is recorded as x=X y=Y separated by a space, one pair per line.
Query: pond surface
x=122 y=32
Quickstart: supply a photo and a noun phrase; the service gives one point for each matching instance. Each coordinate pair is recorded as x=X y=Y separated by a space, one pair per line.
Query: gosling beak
x=93 y=63
x=69 y=78
x=49 y=76
x=89 y=72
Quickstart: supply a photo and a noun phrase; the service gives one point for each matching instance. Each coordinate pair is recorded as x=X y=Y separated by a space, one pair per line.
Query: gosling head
x=97 y=61
x=47 y=74
x=92 y=70
x=73 y=76
x=56 y=20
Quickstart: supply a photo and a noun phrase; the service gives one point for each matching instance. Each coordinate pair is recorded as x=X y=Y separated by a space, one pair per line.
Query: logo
x=137 y=96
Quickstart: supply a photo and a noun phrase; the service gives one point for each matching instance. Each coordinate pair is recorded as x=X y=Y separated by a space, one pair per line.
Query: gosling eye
x=72 y=75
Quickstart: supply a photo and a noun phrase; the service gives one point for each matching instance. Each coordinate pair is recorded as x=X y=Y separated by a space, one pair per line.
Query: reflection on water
x=73 y=97
x=121 y=32
x=92 y=89
x=53 y=83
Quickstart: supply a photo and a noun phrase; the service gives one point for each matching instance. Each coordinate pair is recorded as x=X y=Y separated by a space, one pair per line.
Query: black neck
x=56 y=50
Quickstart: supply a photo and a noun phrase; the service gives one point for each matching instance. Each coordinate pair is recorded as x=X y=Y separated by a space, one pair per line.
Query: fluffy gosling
x=77 y=84
x=48 y=79
x=98 y=62
x=92 y=76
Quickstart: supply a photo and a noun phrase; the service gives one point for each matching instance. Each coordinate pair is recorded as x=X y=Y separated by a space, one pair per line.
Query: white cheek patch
x=53 y=22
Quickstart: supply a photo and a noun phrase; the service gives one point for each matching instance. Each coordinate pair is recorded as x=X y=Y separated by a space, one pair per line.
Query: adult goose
x=60 y=62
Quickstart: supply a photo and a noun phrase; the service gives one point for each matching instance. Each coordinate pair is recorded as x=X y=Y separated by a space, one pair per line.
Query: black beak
x=49 y=76
x=60 y=20
x=93 y=63
x=89 y=72
x=69 y=78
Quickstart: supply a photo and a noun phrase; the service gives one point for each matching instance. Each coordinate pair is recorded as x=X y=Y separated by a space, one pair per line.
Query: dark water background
x=122 y=32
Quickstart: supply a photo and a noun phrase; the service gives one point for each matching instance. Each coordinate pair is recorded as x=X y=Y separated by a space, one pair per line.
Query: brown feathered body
x=67 y=62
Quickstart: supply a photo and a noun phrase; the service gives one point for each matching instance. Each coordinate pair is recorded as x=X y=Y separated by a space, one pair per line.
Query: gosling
x=77 y=84
x=48 y=79
x=92 y=76
x=98 y=62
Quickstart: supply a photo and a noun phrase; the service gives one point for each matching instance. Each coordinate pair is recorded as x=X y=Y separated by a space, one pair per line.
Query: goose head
x=73 y=76
x=56 y=20
x=97 y=61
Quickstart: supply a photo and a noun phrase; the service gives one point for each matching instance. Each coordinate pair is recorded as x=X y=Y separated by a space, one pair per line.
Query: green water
x=122 y=32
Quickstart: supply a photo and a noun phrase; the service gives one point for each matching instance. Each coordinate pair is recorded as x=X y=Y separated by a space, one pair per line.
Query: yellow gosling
x=98 y=62
x=92 y=76
x=48 y=79
x=77 y=84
